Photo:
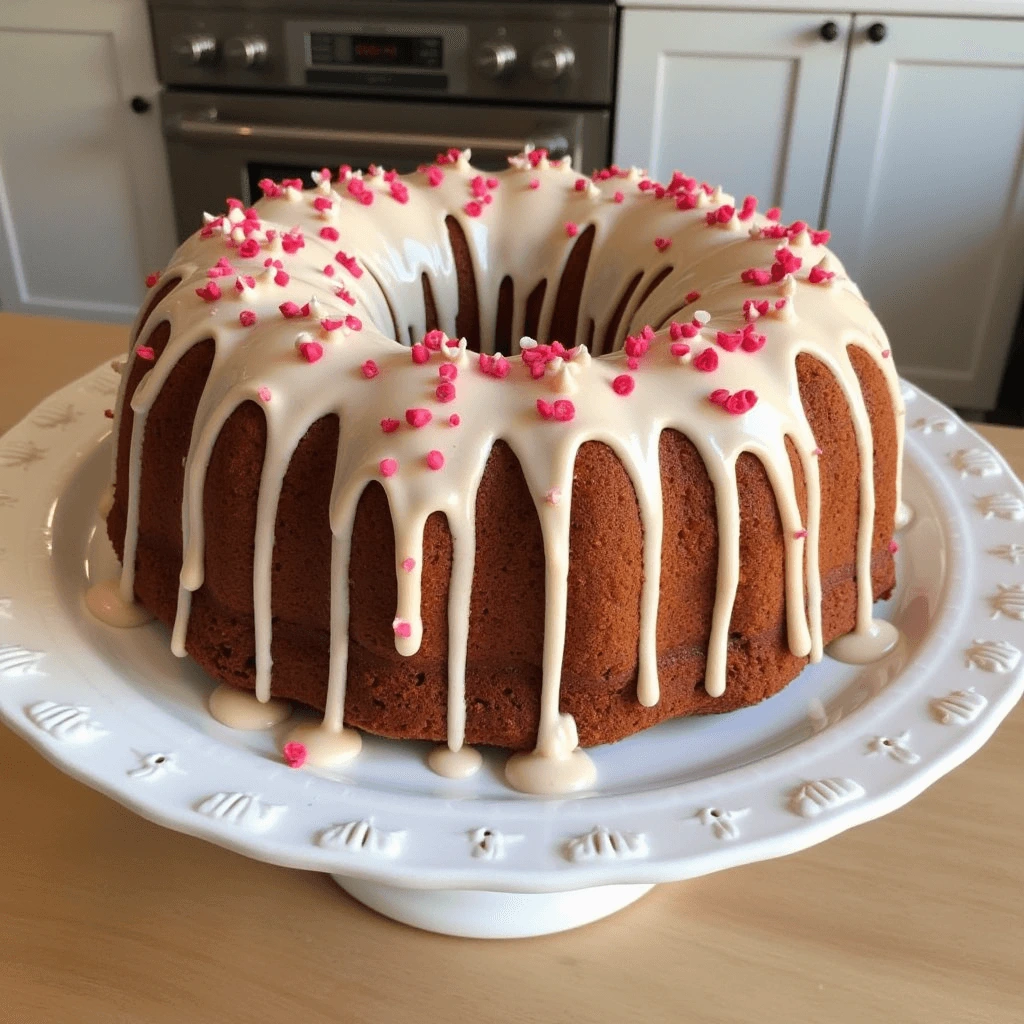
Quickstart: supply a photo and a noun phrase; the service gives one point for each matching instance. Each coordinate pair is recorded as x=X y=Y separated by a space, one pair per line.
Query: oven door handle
x=207 y=126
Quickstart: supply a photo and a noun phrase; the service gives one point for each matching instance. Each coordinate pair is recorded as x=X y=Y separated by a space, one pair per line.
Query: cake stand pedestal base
x=475 y=914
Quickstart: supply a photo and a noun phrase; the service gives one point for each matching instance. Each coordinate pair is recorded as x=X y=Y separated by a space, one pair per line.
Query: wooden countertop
x=106 y=918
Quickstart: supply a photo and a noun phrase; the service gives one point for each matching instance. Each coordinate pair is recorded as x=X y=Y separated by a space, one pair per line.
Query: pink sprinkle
x=402 y=628
x=799 y=534
x=449 y=371
x=571 y=229
x=295 y=754
x=720 y=216
x=820 y=237
x=893 y=547
x=580 y=185
x=692 y=297
x=370 y=369
x=706 y=360
x=885 y=353
x=389 y=467
x=222 y=269
x=151 y=279
x=210 y=292
x=244 y=281
x=787 y=260
x=730 y=341
x=249 y=248
x=420 y=354
x=353 y=323
x=740 y=402
x=434 y=176
x=330 y=325
x=349 y=263
x=619 y=197
x=473 y=208
x=292 y=242
x=389 y=425
x=679 y=348
x=322 y=203
x=553 y=496
x=546 y=409
x=817 y=451
x=247 y=318
x=311 y=350
x=773 y=213
x=345 y=295
x=454 y=420
x=269 y=188
x=435 y=460
x=445 y=391
x=145 y=352
x=662 y=244
x=281 y=278
x=433 y=340
x=492 y=183
x=756 y=276
x=818 y=275
x=719 y=397
x=290 y=310
x=748 y=208
x=329 y=234
x=535 y=183
x=264 y=393
x=564 y=410
x=623 y=384
x=686 y=201
x=408 y=564
x=418 y=417
x=752 y=341
x=399 y=192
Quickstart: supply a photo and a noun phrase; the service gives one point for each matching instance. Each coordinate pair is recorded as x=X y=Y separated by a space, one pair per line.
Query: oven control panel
x=516 y=52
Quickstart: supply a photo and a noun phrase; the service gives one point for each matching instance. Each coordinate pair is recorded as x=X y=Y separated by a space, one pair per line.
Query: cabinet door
x=927 y=196
x=85 y=206
x=745 y=100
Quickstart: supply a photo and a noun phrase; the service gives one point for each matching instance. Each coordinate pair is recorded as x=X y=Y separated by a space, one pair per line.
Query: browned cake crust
x=406 y=697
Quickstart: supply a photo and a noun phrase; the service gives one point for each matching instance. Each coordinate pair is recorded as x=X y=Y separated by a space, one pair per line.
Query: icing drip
x=861 y=647
x=106 y=604
x=313 y=297
x=239 y=709
x=455 y=764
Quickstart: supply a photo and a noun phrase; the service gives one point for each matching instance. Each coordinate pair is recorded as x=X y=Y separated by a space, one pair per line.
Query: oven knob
x=552 y=60
x=197 y=49
x=495 y=59
x=246 y=51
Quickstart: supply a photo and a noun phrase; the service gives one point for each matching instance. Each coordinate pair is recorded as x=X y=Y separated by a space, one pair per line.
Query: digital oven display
x=329 y=48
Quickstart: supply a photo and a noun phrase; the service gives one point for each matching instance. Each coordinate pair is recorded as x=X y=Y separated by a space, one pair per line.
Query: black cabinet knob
x=876 y=32
x=829 y=31
x=140 y=104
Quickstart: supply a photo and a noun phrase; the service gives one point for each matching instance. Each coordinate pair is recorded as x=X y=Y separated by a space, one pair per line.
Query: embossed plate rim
x=783 y=803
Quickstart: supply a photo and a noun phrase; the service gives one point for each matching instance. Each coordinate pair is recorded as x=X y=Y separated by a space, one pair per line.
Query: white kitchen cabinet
x=85 y=207
x=743 y=99
x=926 y=202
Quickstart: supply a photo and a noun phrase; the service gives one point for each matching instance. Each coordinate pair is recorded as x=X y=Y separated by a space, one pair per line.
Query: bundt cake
x=330 y=498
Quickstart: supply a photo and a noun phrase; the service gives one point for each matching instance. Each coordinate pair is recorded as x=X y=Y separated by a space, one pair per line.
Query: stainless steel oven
x=262 y=90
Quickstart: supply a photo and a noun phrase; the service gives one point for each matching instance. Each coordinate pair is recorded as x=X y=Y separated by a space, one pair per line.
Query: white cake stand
x=838 y=746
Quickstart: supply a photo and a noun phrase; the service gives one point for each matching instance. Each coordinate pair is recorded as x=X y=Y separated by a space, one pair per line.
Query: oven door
x=221 y=145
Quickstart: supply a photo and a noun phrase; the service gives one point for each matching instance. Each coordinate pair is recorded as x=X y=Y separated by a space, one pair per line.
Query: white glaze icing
x=526 y=233
x=455 y=764
x=104 y=601
x=239 y=709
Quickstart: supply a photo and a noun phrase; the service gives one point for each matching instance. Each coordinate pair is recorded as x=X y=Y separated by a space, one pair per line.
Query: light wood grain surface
x=106 y=918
